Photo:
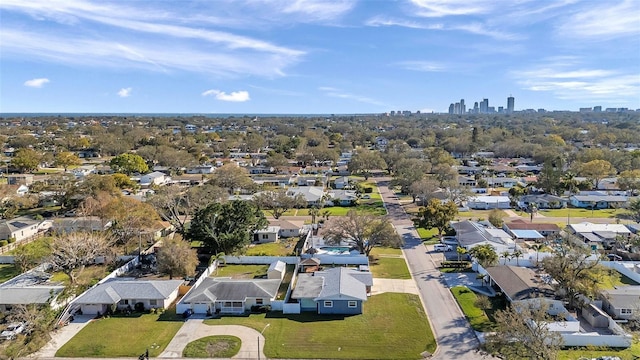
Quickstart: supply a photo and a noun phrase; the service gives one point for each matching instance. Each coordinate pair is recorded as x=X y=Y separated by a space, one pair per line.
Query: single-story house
x=545 y=229
x=337 y=290
x=279 y=181
x=121 y=293
x=308 y=180
x=20 y=179
x=11 y=296
x=502 y=182
x=598 y=235
x=343 y=197
x=266 y=235
x=598 y=201
x=543 y=201
x=519 y=283
x=154 y=178
x=313 y=194
x=341 y=183
x=231 y=296
x=80 y=223
x=82 y=171
x=488 y=202
x=288 y=228
x=622 y=302
x=19 y=228
x=470 y=234
x=201 y=169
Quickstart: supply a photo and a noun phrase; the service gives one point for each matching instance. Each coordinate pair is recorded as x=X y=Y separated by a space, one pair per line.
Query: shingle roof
x=226 y=289
x=113 y=291
x=519 y=283
x=624 y=297
x=333 y=284
x=28 y=295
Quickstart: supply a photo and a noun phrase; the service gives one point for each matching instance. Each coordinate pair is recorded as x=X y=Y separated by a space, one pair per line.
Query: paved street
x=455 y=338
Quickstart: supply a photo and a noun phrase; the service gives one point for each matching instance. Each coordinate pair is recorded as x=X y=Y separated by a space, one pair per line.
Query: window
x=124 y=302
x=352 y=304
x=153 y=302
x=626 y=311
x=259 y=302
x=328 y=303
x=265 y=236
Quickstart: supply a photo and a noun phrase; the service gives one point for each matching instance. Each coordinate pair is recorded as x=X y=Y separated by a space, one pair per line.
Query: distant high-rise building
x=510 y=104
x=463 y=108
x=456 y=108
x=584 y=110
x=597 y=109
x=475 y=107
x=484 y=106
x=451 y=109
x=500 y=109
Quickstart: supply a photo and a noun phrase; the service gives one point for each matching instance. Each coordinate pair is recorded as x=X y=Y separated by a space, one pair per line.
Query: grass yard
x=124 y=336
x=285 y=247
x=221 y=346
x=389 y=268
x=611 y=278
x=428 y=235
x=477 y=318
x=392 y=326
x=384 y=250
x=582 y=213
x=89 y=276
x=7 y=272
x=241 y=271
x=631 y=353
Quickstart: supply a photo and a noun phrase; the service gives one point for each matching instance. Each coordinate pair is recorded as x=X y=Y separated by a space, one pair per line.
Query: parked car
x=12 y=331
x=442 y=247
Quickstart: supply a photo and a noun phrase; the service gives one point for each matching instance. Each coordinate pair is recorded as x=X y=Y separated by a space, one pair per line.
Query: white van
x=442 y=247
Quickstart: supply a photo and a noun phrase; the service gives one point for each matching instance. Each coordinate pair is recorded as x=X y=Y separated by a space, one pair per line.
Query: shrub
x=456 y=264
x=139 y=307
x=368 y=190
x=3 y=243
x=11 y=240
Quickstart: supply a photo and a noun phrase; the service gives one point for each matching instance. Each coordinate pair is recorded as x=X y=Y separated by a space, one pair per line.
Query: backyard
x=388 y=263
x=7 y=272
x=128 y=336
x=581 y=213
x=392 y=326
x=284 y=247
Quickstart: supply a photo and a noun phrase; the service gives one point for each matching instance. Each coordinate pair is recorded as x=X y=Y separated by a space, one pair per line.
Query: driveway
x=62 y=335
x=393 y=285
x=454 y=336
x=193 y=329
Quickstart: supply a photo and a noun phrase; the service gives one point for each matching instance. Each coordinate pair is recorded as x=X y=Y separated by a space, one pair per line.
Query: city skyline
x=309 y=56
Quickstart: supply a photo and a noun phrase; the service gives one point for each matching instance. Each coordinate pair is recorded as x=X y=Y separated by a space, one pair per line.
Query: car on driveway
x=442 y=247
x=12 y=331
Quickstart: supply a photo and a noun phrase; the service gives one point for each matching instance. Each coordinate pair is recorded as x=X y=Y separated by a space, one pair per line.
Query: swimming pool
x=333 y=250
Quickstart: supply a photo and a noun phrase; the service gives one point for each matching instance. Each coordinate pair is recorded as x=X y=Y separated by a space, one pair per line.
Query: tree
x=362 y=230
x=65 y=159
x=176 y=258
x=437 y=215
x=32 y=254
x=516 y=255
x=278 y=201
x=495 y=218
x=569 y=183
x=231 y=177
x=122 y=181
x=549 y=178
x=277 y=161
x=485 y=254
x=574 y=270
x=522 y=332
x=595 y=170
x=537 y=248
x=409 y=171
x=461 y=251
x=38 y=321
x=70 y=253
x=634 y=209
x=364 y=161
x=424 y=189
x=129 y=164
x=26 y=160
x=629 y=180
x=226 y=227
x=506 y=256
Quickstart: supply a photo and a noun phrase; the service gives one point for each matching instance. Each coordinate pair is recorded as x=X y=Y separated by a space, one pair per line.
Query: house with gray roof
x=338 y=290
x=19 y=228
x=31 y=287
x=312 y=194
x=121 y=293
x=622 y=302
x=519 y=283
x=598 y=201
x=231 y=296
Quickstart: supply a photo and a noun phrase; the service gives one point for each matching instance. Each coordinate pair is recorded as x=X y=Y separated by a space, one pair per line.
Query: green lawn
x=221 y=346
x=611 y=278
x=392 y=326
x=477 y=318
x=242 y=271
x=123 y=336
x=390 y=268
x=428 y=235
x=283 y=248
x=585 y=213
x=631 y=353
x=7 y=272
x=383 y=250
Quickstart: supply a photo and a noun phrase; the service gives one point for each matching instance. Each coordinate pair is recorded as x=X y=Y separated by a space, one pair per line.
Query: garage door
x=200 y=308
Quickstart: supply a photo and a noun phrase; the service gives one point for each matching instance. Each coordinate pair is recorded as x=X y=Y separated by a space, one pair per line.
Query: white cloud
x=440 y=8
x=425 y=66
x=603 y=20
x=317 y=9
x=474 y=28
x=337 y=93
x=125 y=92
x=567 y=79
x=235 y=96
x=36 y=83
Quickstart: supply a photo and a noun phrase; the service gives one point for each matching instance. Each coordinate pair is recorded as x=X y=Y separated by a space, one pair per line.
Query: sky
x=316 y=57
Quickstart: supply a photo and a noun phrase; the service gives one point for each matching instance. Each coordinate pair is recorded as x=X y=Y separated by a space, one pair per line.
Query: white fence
x=340 y=259
x=588 y=339
x=245 y=260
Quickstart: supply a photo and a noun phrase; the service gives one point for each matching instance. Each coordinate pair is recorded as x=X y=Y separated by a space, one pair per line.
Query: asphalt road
x=455 y=338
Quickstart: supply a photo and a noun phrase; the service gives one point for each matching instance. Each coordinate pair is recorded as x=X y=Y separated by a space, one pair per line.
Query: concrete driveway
x=62 y=335
x=393 y=285
x=193 y=329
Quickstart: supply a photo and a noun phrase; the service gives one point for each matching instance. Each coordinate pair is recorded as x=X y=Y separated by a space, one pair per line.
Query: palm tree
x=537 y=248
x=517 y=254
x=506 y=256
x=461 y=251
x=216 y=258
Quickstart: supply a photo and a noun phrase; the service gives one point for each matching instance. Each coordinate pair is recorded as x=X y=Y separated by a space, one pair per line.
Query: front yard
x=392 y=326
x=388 y=263
x=582 y=213
x=124 y=336
x=7 y=272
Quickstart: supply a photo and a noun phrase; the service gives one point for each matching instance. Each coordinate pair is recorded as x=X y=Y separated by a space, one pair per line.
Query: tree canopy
x=485 y=254
x=278 y=201
x=226 y=227
x=26 y=160
x=437 y=215
x=362 y=230
x=176 y=258
x=129 y=164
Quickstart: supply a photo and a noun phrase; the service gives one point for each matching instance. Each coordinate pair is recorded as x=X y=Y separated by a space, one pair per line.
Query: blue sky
x=309 y=56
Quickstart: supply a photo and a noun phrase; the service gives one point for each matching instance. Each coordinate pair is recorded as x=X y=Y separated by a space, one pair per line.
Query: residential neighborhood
x=234 y=226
